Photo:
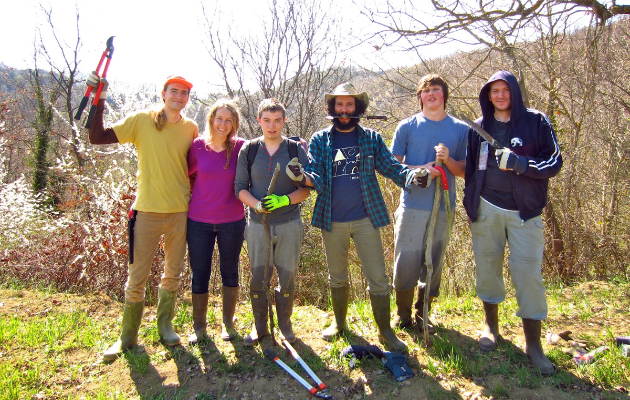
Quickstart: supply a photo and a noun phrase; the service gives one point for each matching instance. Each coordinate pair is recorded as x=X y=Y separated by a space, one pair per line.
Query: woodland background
x=64 y=202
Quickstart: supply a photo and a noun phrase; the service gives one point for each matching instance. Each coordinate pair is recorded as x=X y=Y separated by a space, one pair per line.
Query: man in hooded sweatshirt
x=504 y=195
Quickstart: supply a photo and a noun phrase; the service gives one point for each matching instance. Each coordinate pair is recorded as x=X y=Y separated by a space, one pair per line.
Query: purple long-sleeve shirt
x=213 y=199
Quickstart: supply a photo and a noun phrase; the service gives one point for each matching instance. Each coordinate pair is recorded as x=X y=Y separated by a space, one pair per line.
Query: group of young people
x=192 y=189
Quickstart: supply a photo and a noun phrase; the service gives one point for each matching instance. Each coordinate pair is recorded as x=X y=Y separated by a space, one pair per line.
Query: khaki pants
x=148 y=230
x=367 y=241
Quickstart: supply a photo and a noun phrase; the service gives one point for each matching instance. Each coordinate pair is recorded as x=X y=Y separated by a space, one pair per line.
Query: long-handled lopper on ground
x=321 y=391
x=109 y=50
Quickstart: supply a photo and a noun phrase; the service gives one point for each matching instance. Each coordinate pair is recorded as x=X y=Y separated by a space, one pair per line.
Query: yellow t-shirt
x=163 y=185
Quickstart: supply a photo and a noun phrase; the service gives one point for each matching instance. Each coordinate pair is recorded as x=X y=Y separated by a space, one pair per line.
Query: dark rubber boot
x=230 y=298
x=200 y=309
x=340 y=297
x=165 y=315
x=284 y=309
x=132 y=317
x=419 y=308
x=260 y=309
x=533 y=348
x=404 y=300
x=381 y=310
x=490 y=335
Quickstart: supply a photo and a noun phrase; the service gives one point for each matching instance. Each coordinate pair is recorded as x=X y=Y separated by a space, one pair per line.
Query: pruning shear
x=321 y=391
x=109 y=50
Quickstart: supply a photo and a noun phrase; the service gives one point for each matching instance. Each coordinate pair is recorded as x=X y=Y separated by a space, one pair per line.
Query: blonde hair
x=231 y=106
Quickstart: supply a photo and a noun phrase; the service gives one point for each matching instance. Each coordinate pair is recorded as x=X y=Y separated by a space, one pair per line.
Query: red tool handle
x=99 y=90
x=86 y=96
x=444 y=180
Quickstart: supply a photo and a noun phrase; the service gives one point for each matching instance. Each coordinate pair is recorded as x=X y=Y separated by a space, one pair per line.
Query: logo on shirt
x=346 y=161
x=516 y=142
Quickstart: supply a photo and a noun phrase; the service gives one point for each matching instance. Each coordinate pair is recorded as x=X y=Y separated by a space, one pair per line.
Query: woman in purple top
x=215 y=214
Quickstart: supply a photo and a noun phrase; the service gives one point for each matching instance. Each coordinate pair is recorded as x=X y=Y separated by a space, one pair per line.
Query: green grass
x=36 y=349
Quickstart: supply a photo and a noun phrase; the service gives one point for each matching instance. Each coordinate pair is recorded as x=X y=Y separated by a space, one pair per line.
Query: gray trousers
x=410 y=269
x=286 y=240
x=495 y=226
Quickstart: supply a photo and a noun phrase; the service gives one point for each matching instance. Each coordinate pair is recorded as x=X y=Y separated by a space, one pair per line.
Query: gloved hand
x=93 y=80
x=260 y=208
x=294 y=170
x=509 y=161
x=273 y=202
x=422 y=177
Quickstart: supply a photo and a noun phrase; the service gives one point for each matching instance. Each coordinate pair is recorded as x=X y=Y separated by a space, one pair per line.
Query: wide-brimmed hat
x=347 y=89
x=178 y=79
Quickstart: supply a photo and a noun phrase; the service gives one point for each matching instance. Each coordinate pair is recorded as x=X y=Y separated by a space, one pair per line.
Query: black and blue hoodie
x=531 y=137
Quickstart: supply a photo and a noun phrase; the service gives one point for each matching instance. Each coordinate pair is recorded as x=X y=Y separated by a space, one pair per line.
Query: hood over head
x=517 y=106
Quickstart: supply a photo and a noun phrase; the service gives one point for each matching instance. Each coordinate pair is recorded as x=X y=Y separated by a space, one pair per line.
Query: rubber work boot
x=165 y=315
x=230 y=298
x=200 y=310
x=404 y=300
x=132 y=317
x=260 y=308
x=284 y=309
x=490 y=334
x=419 y=307
x=340 y=297
x=381 y=310
x=533 y=348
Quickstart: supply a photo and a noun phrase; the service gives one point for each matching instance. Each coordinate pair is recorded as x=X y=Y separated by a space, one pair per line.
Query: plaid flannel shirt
x=375 y=156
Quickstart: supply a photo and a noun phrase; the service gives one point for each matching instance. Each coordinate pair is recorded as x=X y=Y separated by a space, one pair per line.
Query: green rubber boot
x=132 y=317
x=260 y=309
x=404 y=300
x=284 y=309
x=381 y=310
x=490 y=334
x=340 y=297
x=165 y=315
x=533 y=348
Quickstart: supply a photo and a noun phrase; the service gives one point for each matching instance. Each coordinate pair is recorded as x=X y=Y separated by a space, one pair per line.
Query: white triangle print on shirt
x=346 y=162
x=339 y=156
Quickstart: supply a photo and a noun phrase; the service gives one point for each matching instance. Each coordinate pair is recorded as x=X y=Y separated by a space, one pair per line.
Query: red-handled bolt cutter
x=109 y=50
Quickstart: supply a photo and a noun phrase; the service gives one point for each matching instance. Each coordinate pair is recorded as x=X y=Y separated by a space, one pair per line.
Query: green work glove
x=273 y=202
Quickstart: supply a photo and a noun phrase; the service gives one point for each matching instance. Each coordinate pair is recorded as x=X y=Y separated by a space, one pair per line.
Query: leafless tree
x=293 y=59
